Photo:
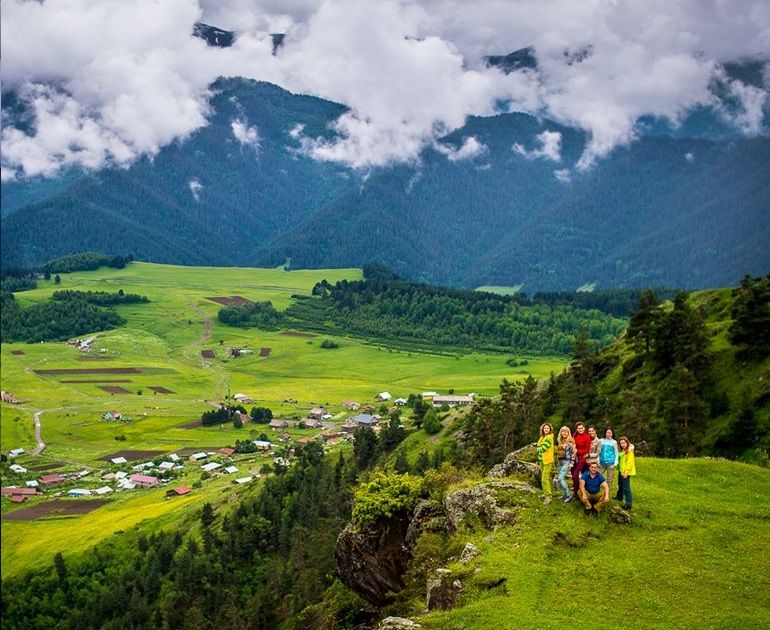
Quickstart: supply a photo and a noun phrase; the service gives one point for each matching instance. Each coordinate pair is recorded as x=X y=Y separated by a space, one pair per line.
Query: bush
x=328 y=344
x=385 y=495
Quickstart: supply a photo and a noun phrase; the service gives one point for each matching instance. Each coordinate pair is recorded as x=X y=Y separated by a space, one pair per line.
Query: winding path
x=40 y=444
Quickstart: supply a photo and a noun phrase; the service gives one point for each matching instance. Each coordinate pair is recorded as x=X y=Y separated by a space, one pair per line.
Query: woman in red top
x=582 y=446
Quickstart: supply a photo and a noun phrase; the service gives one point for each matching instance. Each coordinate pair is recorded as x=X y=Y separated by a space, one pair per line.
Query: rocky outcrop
x=427 y=516
x=470 y=552
x=372 y=559
x=620 y=516
x=482 y=502
x=515 y=462
x=398 y=623
x=443 y=590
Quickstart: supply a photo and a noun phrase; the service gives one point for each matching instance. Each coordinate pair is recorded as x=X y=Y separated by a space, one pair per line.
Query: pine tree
x=641 y=327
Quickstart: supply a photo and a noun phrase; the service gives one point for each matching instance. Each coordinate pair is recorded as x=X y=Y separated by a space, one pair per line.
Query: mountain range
x=687 y=206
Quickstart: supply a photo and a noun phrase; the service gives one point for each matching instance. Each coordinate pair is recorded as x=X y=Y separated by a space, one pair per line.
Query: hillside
x=685 y=207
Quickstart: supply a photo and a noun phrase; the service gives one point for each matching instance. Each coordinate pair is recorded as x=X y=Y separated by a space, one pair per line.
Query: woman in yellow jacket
x=626 y=470
x=545 y=457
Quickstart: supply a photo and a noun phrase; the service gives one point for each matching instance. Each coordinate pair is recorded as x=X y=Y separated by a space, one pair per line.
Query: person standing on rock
x=566 y=455
x=582 y=446
x=626 y=470
x=545 y=457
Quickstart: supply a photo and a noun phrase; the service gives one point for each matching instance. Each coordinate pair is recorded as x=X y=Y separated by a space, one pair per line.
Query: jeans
x=624 y=490
x=563 y=473
x=576 y=470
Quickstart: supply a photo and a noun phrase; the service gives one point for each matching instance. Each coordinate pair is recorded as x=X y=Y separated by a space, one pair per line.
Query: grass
x=696 y=555
x=165 y=337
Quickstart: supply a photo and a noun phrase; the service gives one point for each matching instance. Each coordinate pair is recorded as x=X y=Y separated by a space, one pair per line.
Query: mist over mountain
x=490 y=203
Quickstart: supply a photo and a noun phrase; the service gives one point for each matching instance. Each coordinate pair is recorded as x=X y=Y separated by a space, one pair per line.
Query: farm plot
x=85 y=371
x=114 y=389
x=98 y=380
x=160 y=390
x=131 y=455
x=231 y=300
x=55 y=508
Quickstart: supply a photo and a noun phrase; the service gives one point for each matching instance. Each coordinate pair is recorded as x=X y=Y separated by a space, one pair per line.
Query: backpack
x=607 y=455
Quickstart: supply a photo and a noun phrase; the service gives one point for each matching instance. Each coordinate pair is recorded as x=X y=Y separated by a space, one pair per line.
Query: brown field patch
x=43 y=467
x=55 y=508
x=132 y=456
x=294 y=333
x=72 y=371
x=94 y=357
x=208 y=354
x=114 y=389
x=99 y=380
x=230 y=300
x=265 y=352
x=17 y=352
x=191 y=425
x=160 y=390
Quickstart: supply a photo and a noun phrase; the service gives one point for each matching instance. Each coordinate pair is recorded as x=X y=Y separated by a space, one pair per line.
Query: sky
x=108 y=81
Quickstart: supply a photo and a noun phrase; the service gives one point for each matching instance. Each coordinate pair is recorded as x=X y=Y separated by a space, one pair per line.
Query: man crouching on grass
x=594 y=491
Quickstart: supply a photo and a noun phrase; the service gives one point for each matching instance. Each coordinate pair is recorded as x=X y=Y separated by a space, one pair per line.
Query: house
x=365 y=420
x=349 y=426
x=281 y=461
x=119 y=460
x=231 y=469
x=18 y=469
x=111 y=416
x=227 y=451
x=79 y=492
x=243 y=417
x=211 y=466
x=120 y=475
x=312 y=423
x=15 y=452
x=178 y=492
x=316 y=413
x=399 y=402
x=351 y=405
x=196 y=457
x=382 y=396
x=144 y=481
x=304 y=441
x=452 y=401
x=368 y=409
x=166 y=465
x=284 y=436
x=241 y=480
x=102 y=490
x=262 y=445
x=15 y=491
x=174 y=457
x=242 y=398
x=429 y=395
x=278 y=423
x=19 y=498
x=32 y=483
x=50 y=480
x=8 y=397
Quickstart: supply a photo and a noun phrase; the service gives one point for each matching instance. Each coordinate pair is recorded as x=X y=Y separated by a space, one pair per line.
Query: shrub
x=385 y=495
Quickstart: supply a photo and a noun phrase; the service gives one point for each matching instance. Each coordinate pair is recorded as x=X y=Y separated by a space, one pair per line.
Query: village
x=185 y=470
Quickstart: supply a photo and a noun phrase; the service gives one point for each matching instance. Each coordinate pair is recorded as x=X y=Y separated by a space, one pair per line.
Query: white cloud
x=689 y=157
x=247 y=136
x=195 y=188
x=550 y=147
x=131 y=78
x=563 y=175
x=469 y=149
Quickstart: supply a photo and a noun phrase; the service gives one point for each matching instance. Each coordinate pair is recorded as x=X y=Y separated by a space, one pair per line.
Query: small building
x=262 y=445
x=242 y=480
x=312 y=423
x=278 y=423
x=102 y=490
x=351 y=405
x=174 y=457
x=166 y=465
x=178 y=492
x=144 y=481
x=211 y=466
x=119 y=460
x=284 y=436
x=19 y=498
x=429 y=395
x=316 y=413
x=242 y=398
x=304 y=441
x=399 y=402
x=121 y=475
x=51 y=480
x=227 y=451
x=452 y=401
x=111 y=416
x=15 y=452
x=348 y=427
x=8 y=397
x=382 y=396
x=365 y=420
x=243 y=417
x=196 y=457
x=32 y=483
x=230 y=469
x=15 y=490
x=79 y=492
x=368 y=409
x=18 y=469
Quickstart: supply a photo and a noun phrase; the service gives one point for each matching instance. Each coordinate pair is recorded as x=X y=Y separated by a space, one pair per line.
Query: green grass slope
x=696 y=555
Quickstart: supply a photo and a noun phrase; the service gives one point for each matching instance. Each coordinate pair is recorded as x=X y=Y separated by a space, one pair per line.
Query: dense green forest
x=618 y=302
x=85 y=261
x=67 y=314
x=687 y=379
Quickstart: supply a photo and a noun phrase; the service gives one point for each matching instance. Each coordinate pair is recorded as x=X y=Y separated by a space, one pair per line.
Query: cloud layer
x=109 y=81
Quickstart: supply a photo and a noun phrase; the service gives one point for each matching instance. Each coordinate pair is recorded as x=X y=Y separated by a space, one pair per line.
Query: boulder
x=482 y=501
x=515 y=462
x=372 y=560
x=398 y=623
x=442 y=590
x=619 y=515
x=469 y=552
x=427 y=516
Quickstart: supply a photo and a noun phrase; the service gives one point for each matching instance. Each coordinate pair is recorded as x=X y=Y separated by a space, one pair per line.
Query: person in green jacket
x=545 y=456
x=626 y=470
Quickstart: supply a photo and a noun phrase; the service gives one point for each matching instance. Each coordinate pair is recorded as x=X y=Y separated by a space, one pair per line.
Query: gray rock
x=398 y=623
x=482 y=501
x=620 y=516
x=442 y=590
x=515 y=462
x=469 y=552
x=427 y=516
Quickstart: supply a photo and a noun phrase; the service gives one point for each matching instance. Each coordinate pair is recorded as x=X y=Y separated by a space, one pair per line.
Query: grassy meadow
x=164 y=339
x=697 y=555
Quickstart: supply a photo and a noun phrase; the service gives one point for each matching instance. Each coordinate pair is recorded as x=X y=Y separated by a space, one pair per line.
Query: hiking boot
x=587 y=511
x=594 y=512
x=567 y=499
x=626 y=507
x=546 y=501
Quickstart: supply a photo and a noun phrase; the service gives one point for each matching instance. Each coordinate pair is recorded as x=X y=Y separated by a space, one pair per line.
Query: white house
x=17 y=469
x=382 y=396
x=15 y=452
x=231 y=469
x=119 y=460
x=211 y=466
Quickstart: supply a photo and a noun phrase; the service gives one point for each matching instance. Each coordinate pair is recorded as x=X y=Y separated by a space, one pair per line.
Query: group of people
x=591 y=461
